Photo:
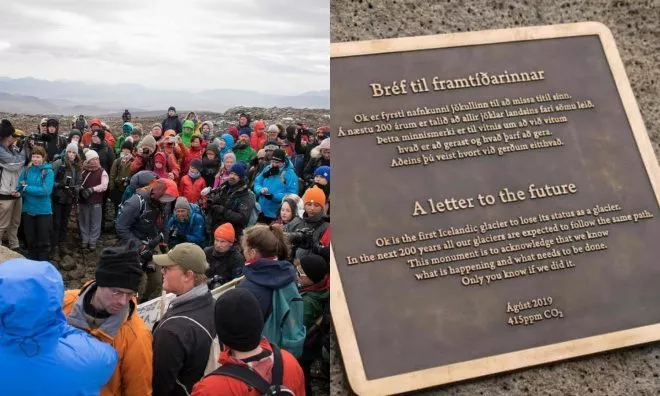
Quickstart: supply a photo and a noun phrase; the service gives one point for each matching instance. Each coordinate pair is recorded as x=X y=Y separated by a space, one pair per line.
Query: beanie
x=148 y=142
x=271 y=146
x=74 y=132
x=127 y=127
x=157 y=125
x=90 y=155
x=6 y=129
x=226 y=232
x=73 y=147
x=171 y=108
x=52 y=122
x=239 y=169
x=213 y=147
x=196 y=163
x=325 y=144
x=119 y=266
x=323 y=171
x=239 y=320
x=273 y=128
x=314 y=267
x=279 y=155
x=182 y=203
x=315 y=195
x=127 y=145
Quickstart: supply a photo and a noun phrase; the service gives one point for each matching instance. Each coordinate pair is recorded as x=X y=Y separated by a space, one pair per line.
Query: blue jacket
x=244 y=129
x=42 y=354
x=37 y=193
x=194 y=229
x=264 y=276
x=280 y=185
x=229 y=144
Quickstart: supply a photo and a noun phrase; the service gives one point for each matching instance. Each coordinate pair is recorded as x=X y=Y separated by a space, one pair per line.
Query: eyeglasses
x=117 y=293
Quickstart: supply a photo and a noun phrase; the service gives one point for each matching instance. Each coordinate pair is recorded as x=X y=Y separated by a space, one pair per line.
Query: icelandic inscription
x=463 y=131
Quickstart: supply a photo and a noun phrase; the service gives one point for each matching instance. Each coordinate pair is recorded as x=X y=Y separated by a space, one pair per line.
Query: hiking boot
x=85 y=245
x=92 y=247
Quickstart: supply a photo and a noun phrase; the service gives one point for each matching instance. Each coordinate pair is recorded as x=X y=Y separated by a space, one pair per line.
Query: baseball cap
x=186 y=255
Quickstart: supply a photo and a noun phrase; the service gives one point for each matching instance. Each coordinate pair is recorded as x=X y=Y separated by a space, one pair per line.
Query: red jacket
x=257 y=141
x=220 y=385
x=191 y=190
x=172 y=165
x=191 y=155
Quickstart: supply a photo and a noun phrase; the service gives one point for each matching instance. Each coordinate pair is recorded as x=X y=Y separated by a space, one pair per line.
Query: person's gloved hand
x=86 y=193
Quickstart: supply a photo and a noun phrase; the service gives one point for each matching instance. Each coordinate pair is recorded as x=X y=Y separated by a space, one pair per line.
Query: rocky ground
x=285 y=116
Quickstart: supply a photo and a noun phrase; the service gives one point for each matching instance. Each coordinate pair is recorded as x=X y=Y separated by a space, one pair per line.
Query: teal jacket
x=39 y=187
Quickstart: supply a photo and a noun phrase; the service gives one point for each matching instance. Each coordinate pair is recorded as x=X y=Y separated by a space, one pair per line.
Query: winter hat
x=325 y=144
x=273 y=128
x=149 y=142
x=127 y=145
x=182 y=203
x=314 y=195
x=52 y=122
x=137 y=130
x=196 y=163
x=323 y=171
x=279 y=155
x=314 y=267
x=127 y=127
x=73 y=147
x=90 y=155
x=229 y=155
x=6 y=129
x=226 y=232
x=261 y=154
x=119 y=266
x=271 y=145
x=44 y=121
x=239 y=320
x=239 y=169
x=157 y=125
x=100 y=133
x=74 y=132
x=160 y=158
x=213 y=147
x=142 y=178
x=171 y=108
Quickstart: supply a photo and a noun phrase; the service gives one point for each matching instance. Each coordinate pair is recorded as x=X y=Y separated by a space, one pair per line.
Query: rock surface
x=636 y=29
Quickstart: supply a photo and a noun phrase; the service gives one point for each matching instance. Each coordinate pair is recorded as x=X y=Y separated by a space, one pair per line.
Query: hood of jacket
x=272 y=274
x=188 y=124
x=31 y=295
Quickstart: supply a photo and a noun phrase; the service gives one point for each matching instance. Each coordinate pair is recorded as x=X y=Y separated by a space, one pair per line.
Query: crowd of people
x=194 y=208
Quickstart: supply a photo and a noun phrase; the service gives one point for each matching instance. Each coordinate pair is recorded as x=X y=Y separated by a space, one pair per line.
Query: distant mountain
x=30 y=95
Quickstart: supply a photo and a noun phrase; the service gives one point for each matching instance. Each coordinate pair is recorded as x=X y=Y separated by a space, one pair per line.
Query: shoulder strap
x=192 y=320
x=278 y=366
x=244 y=374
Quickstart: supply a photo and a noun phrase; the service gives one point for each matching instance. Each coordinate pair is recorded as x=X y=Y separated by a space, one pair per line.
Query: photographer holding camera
x=13 y=157
x=306 y=236
x=67 y=172
x=139 y=221
x=120 y=174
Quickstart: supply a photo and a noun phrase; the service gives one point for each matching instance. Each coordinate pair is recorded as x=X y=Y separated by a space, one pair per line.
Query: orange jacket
x=132 y=342
x=190 y=156
x=258 y=141
x=109 y=139
x=191 y=190
x=220 y=385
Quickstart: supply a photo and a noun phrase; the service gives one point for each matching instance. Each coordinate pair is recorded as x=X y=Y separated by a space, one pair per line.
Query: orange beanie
x=226 y=232
x=314 y=194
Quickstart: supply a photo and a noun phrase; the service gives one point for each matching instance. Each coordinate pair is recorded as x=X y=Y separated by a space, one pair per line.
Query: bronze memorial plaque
x=495 y=205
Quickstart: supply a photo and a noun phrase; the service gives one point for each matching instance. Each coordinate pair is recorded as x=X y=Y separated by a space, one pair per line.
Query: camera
x=216 y=281
x=125 y=181
x=67 y=182
x=302 y=238
x=37 y=139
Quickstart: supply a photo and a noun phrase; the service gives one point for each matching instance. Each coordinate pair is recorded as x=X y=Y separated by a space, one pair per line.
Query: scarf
x=323 y=285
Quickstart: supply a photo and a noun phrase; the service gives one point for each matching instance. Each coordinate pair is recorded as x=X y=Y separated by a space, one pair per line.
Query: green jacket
x=314 y=303
x=187 y=134
x=246 y=155
x=118 y=172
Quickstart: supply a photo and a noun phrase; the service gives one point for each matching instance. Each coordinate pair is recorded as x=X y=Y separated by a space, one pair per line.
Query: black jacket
x=61 y=194
x=54 y=145
x=137 y=219
x=227 y=204
x=181 y=347
x=172 y=123
x=310 y=168
x=227 y=266
x=106 y=155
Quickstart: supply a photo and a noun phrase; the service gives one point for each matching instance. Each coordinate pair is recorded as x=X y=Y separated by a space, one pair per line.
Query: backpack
x=143 y=203
x=254 y=380
x=256 y=209
x=214 y=352
x=284 y=325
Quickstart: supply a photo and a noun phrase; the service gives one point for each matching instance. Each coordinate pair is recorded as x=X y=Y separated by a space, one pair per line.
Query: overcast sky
x=270 y=46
